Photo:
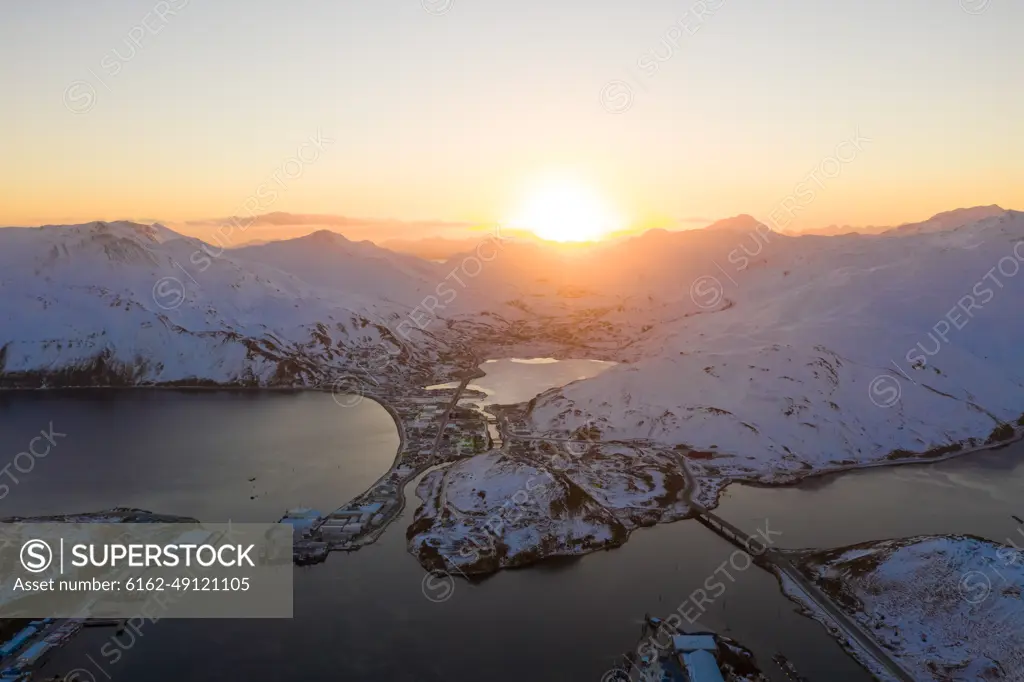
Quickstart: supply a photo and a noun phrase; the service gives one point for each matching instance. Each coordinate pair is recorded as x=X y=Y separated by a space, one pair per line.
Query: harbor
x=433 y=430
x=34 y=643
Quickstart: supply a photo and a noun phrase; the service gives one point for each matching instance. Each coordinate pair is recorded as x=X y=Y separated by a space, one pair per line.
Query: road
x=850 y=628
x=396 y=512
x=423 y=467
x=846 y=625
x=447 y=416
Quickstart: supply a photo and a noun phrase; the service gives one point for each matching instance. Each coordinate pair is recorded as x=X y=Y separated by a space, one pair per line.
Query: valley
x=821 y=355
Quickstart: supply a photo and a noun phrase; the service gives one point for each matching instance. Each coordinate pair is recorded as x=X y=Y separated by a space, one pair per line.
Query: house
x=32 y=655
x=18 y=641
x=701 y=666
x=301 y=519
x=687 y=643
x=697 y=656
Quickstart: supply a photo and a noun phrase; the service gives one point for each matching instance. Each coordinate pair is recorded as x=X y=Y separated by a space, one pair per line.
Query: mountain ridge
x=735 y=341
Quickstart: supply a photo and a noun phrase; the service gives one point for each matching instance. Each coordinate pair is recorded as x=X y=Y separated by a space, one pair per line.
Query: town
x=434 y=430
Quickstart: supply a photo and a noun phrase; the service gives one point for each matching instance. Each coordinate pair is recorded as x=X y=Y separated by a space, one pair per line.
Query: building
x=32 y=655
x=301 y=519
x=697 y=656
x=15 y=643
x=686 y=643
x=701 y=666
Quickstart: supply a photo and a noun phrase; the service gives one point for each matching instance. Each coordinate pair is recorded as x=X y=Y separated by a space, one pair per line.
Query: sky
x=438 y=110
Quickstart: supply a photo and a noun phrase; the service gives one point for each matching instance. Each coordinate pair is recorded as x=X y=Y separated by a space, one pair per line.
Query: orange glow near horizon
x=566 y=210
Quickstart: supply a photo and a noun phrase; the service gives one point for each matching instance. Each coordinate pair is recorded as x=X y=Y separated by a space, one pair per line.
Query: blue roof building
x=701 y=666
x=17 y=641
x=687 y=643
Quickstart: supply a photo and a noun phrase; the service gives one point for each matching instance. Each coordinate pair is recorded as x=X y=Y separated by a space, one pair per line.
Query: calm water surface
x=367 y=616
x=194 y=453
x=519 y=380
x=975 y=494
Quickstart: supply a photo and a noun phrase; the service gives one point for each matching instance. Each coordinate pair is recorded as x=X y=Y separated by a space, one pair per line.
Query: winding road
x=846 y=625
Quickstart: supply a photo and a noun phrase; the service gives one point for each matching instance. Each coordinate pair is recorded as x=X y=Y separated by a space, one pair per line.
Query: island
x=946 y=608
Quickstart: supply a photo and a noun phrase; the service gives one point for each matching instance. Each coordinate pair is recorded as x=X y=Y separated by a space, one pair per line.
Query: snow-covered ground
x=504 y=509
x=947 y=608
x=491 y=512
x=755 y=355
x=128 y=304
x=775 y=356
x=825 y=352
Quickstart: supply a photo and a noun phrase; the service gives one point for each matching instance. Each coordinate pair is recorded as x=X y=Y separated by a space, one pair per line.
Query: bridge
x=753 y=545
x=767 y=558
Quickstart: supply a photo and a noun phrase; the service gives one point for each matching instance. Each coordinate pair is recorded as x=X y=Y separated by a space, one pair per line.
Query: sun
x=565 y=211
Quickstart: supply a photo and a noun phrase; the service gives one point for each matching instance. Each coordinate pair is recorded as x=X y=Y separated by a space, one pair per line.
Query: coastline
x=919 y=460
x=408 y=483
x=465 y=377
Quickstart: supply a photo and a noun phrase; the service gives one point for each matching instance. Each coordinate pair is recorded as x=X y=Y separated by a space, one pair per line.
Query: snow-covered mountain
x=124 y=303
x=329 y=260
x=824 y=352
x=946 y=608
x=778 y=354
x=948 y=220
x=955 y=219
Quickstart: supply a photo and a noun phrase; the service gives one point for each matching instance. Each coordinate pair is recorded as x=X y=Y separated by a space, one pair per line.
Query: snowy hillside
x=952 y=220
x=779 y=355
x=329 y=260
x=503 y=509
x=823 y=353
x=123 y=303
x=948 y=608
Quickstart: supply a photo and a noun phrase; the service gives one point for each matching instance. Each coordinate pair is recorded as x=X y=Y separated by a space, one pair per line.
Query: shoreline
x=414 y=474
x=406 y=487
x=464 y=377
x=797 y=480
x=829 y=570
x=1018 y=436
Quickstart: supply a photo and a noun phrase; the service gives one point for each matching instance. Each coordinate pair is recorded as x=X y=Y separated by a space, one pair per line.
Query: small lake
x=368 y=616
x=517 y=380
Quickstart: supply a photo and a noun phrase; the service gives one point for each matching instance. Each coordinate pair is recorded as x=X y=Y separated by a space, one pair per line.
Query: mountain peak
x=741 y=222
x=325 y=237
x=952 y=220
x=972 y=212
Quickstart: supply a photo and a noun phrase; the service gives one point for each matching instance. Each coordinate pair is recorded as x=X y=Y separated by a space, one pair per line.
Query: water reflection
x=363 y=615
x=977 y=494
x=239 y=455
x=518 y=380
